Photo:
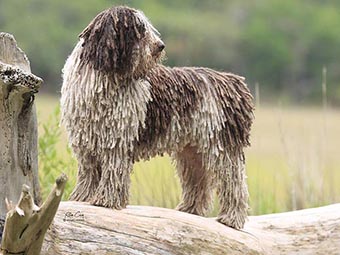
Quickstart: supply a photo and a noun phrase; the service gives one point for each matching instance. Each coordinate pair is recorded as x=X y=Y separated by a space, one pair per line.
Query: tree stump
x=18 y=124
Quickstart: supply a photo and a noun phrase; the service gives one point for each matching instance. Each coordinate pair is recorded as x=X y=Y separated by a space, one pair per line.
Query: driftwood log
x=80 y=228
x=26 y=223
x=18 y=124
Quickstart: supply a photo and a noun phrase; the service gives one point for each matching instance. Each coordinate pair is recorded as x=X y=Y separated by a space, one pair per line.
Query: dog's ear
x=109 y=39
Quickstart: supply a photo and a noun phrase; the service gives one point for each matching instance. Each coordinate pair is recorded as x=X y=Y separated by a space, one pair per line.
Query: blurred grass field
x=293 y=162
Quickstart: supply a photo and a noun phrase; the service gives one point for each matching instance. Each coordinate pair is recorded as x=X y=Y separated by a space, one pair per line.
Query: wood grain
x=80 y=228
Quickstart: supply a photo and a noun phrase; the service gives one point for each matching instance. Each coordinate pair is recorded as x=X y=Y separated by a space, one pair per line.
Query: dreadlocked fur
x=114 y=41
x=119 y=105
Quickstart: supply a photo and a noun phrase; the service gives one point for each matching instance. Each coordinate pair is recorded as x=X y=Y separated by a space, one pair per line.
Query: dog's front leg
x=113 y=188
x=89 y=171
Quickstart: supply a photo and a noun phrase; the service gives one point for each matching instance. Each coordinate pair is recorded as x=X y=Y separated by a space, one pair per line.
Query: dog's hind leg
x=88 y=176
x=233 y=194
x=113 y=188
x=196 y=181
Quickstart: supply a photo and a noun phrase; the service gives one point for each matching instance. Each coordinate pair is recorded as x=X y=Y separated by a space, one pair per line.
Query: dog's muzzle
x=159 y=47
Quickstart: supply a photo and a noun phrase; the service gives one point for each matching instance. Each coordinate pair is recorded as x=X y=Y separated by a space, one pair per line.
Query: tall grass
x=51 y=161
x=293 y=162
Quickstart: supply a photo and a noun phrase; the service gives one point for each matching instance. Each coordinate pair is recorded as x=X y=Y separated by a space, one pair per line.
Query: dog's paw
x=81 y=195
x=191 y=209
x=107 y=202
x=235 y=221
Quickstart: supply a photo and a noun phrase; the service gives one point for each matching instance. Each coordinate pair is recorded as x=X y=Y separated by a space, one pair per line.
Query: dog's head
x=122 y=43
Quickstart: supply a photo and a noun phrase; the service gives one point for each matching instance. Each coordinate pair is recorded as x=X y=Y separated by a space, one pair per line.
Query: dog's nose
x=161 y=46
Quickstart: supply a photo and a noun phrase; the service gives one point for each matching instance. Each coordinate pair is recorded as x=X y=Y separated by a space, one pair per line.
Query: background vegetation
x=282 y=45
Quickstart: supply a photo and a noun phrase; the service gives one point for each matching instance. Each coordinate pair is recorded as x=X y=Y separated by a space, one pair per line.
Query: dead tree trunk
x=18 y=124
x=26 y=223
x=80 y=228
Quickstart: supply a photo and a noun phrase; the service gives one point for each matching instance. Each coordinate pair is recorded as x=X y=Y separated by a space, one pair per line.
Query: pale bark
x=18 y=124
x=80 y=228
x=26 y=224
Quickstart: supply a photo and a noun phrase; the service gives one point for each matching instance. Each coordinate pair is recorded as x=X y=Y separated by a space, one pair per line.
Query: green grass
x=293 y=162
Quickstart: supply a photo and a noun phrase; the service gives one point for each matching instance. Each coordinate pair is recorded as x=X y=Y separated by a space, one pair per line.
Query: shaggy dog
x=120 y=105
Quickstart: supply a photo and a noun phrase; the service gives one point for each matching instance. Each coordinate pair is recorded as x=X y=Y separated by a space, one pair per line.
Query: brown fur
x=197 y=183
x=111 y=50
x=177 y=91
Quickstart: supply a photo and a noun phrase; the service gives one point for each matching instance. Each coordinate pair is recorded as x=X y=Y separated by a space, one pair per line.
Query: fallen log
x=80 y=228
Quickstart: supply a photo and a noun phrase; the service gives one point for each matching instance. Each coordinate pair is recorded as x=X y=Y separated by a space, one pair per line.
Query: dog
x=119 y=105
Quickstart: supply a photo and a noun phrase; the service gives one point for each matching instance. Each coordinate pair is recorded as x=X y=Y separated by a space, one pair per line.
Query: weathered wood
x=26 y=223
x=18 y=124
x=310 y=231
x=80 y=228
